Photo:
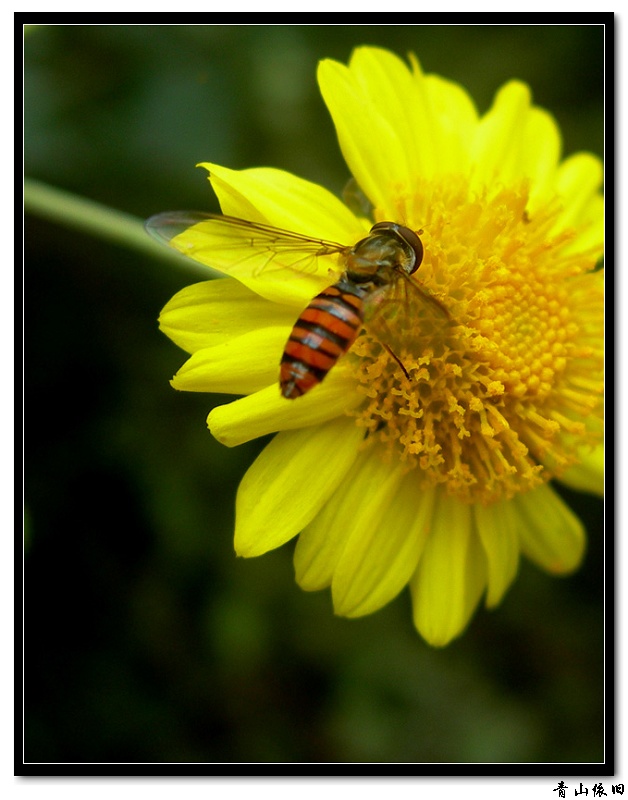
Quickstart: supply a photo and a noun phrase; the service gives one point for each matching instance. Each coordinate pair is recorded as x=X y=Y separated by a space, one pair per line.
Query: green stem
x=98 y=220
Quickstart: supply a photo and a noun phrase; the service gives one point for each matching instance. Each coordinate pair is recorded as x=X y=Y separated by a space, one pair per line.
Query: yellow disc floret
x=497 y=398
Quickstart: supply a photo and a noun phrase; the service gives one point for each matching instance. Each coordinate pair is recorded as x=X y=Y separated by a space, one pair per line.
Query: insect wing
x=392 y=311
x=165 y=226
x=240 y=247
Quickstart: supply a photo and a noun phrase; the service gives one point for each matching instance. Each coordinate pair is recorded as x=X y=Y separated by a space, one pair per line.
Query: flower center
x=499 y=397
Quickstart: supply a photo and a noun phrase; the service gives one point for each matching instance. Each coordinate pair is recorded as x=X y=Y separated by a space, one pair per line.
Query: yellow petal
x=239 y=365
x=550 y=533
x=276 y=266
x=451 y=575
x=498 y=143
x=372 y=103
x=284 y=200
x=387 y=536
x=204 y=314
x=588 y=475
x=590 y=231
x=289 y=277
x=541 y=154
x=454 y=119
x=290 y=481
x=321 y=544
x=391 y=89
x=497 y=529
x=267 y=411
x=579 y=180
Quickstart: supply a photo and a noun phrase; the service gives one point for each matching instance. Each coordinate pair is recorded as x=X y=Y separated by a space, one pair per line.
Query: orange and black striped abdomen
x=324 y=332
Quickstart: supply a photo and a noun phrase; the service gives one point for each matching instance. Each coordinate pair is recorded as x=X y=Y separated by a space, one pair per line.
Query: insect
x=373 y=269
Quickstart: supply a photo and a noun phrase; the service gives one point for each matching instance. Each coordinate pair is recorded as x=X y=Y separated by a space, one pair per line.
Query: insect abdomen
x=324 y=332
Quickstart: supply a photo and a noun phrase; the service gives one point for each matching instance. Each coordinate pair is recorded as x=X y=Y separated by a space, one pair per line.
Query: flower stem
x=99 y=220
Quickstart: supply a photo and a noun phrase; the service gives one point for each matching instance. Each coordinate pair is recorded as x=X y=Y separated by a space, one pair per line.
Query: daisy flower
x=424 y=457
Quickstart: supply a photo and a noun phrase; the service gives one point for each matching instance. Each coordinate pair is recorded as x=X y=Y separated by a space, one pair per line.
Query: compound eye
x=407 y=236
x=412 y=240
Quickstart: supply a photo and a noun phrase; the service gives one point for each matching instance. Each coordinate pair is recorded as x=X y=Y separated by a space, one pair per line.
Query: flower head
x=423 y=457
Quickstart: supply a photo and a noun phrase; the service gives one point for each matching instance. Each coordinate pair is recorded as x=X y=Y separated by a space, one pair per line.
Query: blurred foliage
x=146 y=639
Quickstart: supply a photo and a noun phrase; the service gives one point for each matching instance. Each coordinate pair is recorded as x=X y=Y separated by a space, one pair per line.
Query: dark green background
x=146 y=639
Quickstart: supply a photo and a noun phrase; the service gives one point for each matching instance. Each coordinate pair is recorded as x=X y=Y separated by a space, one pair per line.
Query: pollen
x=498 y=395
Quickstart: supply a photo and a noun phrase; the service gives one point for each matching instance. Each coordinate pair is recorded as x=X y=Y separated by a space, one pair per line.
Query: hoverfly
x=332 y=321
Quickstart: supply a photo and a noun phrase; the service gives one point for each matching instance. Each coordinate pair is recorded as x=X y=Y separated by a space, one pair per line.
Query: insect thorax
x=377 y=258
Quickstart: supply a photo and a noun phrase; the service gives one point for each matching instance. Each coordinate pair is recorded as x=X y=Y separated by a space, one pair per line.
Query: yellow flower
x=435 y=474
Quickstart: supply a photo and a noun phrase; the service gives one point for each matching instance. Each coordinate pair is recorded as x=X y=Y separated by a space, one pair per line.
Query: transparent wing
x=401 y=301
x=238 y=246
x=407 y=320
